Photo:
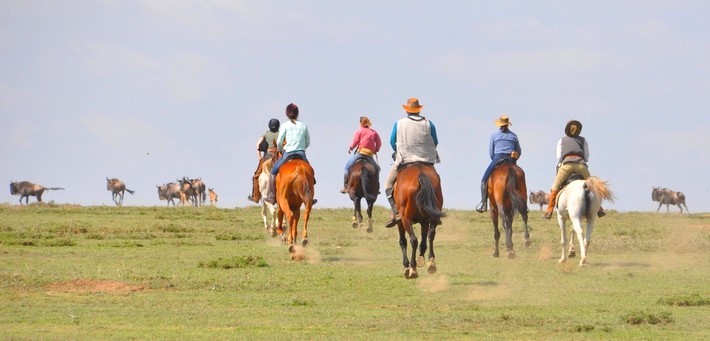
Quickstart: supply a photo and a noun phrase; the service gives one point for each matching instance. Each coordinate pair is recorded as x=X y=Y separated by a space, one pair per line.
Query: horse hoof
x=431 y=268
x=562 y=260
x=369 y=229
x=304 y=242
x=420 y=260
x=355 y=224
x=291 y=250
x=583 y=262
x=527 y=243
x=511 y=255
x=572 y=254
x=410 y=273
x=496 y=254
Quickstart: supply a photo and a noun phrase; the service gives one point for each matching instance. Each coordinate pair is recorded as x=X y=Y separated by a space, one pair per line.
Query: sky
x=153 y=91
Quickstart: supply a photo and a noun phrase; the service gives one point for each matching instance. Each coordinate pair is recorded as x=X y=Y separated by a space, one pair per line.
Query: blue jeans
x=496 y=158
x=287 y=156
x=357 y=156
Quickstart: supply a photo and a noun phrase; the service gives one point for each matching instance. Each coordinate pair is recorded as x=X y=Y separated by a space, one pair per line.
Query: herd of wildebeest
x=186 y=190
x=192 y=191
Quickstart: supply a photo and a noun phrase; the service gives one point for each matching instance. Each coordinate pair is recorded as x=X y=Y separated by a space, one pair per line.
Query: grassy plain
x=69 y=272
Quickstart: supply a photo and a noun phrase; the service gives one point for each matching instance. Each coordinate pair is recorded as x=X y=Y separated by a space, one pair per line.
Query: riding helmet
x=274 y=125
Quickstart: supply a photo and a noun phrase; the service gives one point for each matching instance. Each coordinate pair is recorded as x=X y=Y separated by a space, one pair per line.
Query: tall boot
x=483 y=206
x=395 y=218
x=601 y=212
x=270 y=196
x=255 y=194
x=551 y=204
x=345 y=184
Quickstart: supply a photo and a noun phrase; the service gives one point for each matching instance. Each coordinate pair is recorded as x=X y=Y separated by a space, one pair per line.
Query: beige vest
x=414 y=141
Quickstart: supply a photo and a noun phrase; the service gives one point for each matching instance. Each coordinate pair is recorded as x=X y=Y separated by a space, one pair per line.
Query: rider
x=366 y=143
x=413 y=139
x=293 y=139
x=572 y=156
x=503 y=145
x=265 y=148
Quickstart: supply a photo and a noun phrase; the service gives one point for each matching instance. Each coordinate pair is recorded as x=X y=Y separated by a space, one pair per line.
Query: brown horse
x=417 y=193
x=294 y=187
x=363 y=182
x=507 y=195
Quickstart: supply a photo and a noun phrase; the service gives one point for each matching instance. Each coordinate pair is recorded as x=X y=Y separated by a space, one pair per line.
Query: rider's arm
x=433 y=133
x=258 y=144
x=586 y=150
x=393 y=137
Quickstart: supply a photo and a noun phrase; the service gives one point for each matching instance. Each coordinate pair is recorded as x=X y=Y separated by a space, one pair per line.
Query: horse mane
x=599 y=188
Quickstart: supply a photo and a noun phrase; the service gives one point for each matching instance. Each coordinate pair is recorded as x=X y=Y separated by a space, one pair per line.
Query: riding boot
x=394 y=218
x=601 y=212
x=345 y=184
x=551 y=204
x=483 y=206
x=270 y=196
x=255 y=194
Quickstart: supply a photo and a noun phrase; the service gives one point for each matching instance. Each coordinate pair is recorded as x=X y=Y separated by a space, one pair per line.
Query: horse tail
x=516 y=197
x=130 y=191
x=365 y=182
x=426 y=199
x=599 y=188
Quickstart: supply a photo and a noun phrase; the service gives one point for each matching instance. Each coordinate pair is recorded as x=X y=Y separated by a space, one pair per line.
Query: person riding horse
x=572 y=156
x=265 y=149
x=413 y=139
x=503 y=146
x=293 y=139
x=366 y=144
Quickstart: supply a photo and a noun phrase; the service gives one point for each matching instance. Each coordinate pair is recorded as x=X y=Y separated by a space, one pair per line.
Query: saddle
x=409 y=164
x=569 y=180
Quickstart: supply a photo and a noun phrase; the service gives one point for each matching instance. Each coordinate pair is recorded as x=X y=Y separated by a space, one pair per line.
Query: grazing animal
x=169 y=192
x=26 y=189
x=213 y=197
x=269 y=223
x=539 y=197
x=118 y=189
x=184 y=200
x=363 y=182
x=294 y=187
x=580 y=200
x=668 y=197
x=194 y=189
x=418 y=197
x=507 y=195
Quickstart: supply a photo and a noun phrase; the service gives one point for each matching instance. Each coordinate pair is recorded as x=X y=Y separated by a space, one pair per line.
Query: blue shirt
x=296 y=135
x=503 y=142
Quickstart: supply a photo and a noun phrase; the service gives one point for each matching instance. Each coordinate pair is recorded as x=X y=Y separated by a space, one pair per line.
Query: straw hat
x=573 y=128
x=412 y=106
x=503 y=120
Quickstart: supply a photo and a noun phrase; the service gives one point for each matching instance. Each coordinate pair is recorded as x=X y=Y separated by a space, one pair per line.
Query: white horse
x=263 y=189
x=580 y=200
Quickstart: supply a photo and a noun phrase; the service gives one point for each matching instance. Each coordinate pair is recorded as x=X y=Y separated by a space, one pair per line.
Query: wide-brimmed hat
x=412 y=106
x=503 y=120
x=573 y=128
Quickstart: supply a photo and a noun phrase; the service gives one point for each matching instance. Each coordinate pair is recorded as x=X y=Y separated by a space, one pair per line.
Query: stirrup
x=547 y=215
x=344 y=190
x=270 y=200
x=601 y=212
x=251 y=198
x=393 y=222
x=482 y=207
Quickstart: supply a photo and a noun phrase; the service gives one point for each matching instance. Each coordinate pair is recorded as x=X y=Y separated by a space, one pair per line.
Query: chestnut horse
x=417 y=194
x=507 y=195
x=363 y=182
x=294 y=187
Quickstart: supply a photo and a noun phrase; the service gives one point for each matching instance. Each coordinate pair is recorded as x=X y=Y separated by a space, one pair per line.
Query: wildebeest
x=668 y=197
x=118 y=189
x=26 y=189
x=169 y=192
x=540 y=197
x=194 y=189
x=213 y=197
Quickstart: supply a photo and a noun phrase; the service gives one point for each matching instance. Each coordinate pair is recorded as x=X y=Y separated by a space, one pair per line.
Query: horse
x=418 y=198
x=294 y=187
x=263 y=189
x=579 y=200
x=507 y=196
x=539 y=197
x=363 y=182
x=118 y=189
x=668 y=197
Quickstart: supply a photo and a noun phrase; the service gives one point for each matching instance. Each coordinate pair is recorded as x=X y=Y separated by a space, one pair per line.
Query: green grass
x=69 y=272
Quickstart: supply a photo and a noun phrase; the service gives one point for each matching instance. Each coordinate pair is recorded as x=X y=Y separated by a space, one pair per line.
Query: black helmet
x=274 y=125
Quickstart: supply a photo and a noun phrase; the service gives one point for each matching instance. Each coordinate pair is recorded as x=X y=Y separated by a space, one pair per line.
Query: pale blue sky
x=151 y=91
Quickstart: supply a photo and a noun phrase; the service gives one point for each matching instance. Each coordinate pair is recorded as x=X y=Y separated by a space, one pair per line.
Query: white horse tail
x=600 y=188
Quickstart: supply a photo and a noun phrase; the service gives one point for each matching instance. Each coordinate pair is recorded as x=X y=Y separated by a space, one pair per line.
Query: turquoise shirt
x=295 y=133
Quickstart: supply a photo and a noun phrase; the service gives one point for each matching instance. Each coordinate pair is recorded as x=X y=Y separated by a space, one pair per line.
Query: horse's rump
x=295 y=182
x=363 y=181
x=507 y=182
x=418 y=193
x=600 y=188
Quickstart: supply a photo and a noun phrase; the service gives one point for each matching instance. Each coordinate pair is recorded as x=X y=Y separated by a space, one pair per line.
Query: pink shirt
x=367 y=138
